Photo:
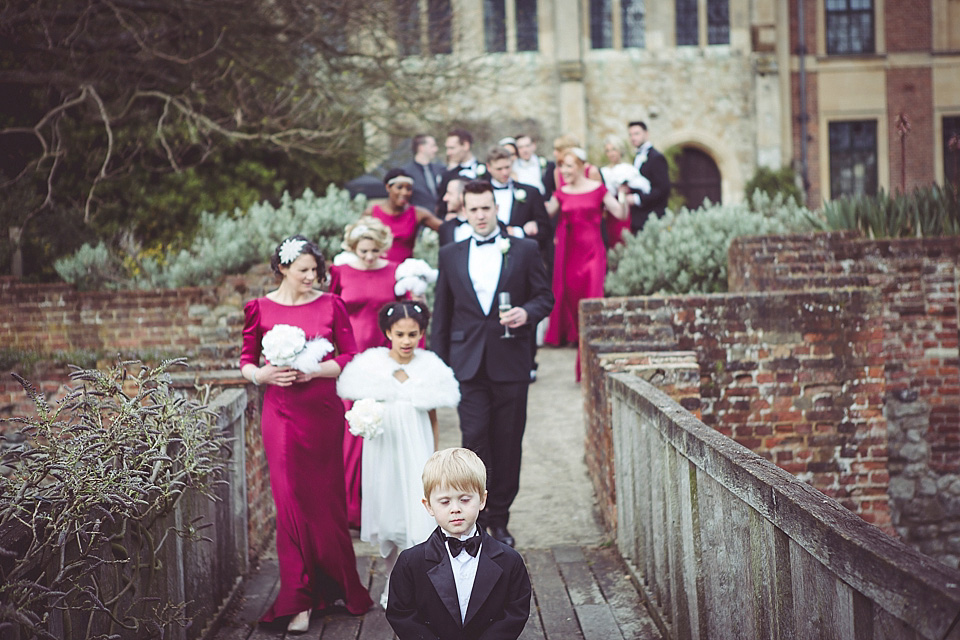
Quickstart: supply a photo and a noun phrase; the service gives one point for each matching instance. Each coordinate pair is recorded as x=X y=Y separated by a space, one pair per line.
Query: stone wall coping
x=909 y=585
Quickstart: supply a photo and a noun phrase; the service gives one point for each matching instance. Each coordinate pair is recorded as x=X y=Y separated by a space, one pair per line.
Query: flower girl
x=398 y=391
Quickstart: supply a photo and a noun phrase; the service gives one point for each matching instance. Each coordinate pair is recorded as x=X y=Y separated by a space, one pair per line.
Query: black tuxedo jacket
x=656 y=171
x=421 y=193
x=423 y=600
x=464 y=337
x=450 y=174
x=531 y=207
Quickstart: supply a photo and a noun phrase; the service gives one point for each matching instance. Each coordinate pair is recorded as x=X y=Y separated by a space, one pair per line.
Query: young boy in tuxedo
x=460 y=583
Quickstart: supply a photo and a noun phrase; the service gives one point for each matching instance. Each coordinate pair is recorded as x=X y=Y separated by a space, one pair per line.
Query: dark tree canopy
x=108 y=105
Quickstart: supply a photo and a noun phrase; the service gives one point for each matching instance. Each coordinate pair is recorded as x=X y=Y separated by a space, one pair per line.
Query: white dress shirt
x=462 y=231
x=530 y=172
x=483 y=265
x=464 y=574
x=503 y=196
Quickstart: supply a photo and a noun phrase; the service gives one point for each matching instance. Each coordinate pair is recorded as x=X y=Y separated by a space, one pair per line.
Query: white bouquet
x=365 y=418
x=286 y=346
x=414 y=275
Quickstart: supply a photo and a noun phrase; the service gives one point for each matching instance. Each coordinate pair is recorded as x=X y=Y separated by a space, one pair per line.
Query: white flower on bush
x=365 y=418
x=286 y=346
x=414 y=275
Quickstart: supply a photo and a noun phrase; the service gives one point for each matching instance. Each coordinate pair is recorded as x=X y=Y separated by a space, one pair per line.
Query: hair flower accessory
x=365 y=418
x=519 y=195
x=287 y=346
x=358 y=231
x=413 y=276
x=290 y=250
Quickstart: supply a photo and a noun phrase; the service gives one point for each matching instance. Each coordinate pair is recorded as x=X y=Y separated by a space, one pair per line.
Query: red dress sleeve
x=252 y=334
x=336 y=280
x=342 y=333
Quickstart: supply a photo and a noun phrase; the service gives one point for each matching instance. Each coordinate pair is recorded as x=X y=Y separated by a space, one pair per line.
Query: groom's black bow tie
x=503 y=188
x=489 y=240
x=471 y=545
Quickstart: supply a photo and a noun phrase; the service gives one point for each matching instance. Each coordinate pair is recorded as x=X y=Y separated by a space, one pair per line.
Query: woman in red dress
x=302 y=425
x=402 y=218
x=581 y=258
x=365 y=282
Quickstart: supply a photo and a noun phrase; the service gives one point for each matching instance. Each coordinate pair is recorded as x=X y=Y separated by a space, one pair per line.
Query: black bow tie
x=471 y=544
x=503 y=188
x=489 y=240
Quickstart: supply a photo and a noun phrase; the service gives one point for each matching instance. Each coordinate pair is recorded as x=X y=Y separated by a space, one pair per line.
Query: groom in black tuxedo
x=494 y=372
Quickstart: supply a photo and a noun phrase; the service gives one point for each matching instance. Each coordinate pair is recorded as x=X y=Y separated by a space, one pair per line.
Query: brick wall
x=909 y=26
x=910 y=91
x=797 y=378
x=917 y=281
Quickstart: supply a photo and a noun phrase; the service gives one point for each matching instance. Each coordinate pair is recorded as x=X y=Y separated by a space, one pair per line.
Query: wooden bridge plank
x=375 y=625
x=593 y=613
x=621 y=595
x=556 y=611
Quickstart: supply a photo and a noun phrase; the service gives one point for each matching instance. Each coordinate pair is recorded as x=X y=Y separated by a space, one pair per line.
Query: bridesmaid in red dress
x=403 y=219
x=365 y=282
x=302 y=425
x=581 y=258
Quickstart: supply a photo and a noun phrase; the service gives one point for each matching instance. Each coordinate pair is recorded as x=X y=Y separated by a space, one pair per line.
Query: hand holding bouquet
x=286 y=346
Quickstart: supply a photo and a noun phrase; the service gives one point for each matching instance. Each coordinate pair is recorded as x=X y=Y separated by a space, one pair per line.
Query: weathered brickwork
x=917 y=281
x=798 y=378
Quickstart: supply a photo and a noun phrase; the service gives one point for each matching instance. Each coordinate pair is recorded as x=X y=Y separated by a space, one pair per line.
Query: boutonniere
x=543 y=162
x=481 y=169
x=503 y=244
x=519 y=195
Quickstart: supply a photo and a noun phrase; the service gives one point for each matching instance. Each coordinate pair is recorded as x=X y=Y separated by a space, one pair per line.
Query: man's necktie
x=431 y=182
x=471 y=544
x=489 y=240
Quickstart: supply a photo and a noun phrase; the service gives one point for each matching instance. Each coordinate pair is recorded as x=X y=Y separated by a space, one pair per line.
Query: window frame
x=616 y=24
x=832 y=16
x=850 y=160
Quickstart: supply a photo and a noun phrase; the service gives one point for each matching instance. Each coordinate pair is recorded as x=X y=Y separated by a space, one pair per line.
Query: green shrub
x=770 y=182
x=223 y=244
x=686 y=252
x=926 y=212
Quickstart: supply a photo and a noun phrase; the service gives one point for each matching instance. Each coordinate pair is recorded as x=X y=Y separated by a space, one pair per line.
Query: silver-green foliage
x=686 y=252
x=224 y=243
x=926 y=212
x=86 y=503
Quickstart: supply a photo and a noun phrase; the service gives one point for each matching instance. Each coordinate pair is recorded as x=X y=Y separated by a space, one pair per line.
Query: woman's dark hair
x=392 y=312
x=310 y=248
x=393 y=173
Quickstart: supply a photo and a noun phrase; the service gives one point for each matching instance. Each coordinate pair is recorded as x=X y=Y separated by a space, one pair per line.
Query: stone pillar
x=569 y=43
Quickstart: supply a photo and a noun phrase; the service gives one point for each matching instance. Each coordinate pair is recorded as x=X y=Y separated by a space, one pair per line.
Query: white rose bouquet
x=414 y=275
x=287 y=346
x=365 y=418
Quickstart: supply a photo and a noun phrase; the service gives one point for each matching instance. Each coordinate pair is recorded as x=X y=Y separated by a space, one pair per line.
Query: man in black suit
x=519 y=206
x=649 y=193
x=494 y=371
x=460 y=163
x=425 y=172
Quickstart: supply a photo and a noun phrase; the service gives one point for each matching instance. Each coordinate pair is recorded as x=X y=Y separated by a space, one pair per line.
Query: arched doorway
x=699 y=178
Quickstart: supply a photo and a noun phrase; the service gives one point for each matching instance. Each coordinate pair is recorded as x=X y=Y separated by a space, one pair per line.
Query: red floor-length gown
x=302 y=429
x=404 y=229
x=580 y=264
x=364 y=292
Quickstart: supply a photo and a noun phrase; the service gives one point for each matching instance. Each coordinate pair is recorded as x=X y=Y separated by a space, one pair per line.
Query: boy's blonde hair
x=457 y=468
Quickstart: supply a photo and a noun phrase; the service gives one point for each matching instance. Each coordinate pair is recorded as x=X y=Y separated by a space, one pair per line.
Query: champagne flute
x=503 y=307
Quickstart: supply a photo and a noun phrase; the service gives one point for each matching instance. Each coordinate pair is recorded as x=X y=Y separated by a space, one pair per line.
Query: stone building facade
x=721 y=80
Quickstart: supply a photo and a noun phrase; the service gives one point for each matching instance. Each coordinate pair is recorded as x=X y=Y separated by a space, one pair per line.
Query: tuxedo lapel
x=506 y=267
x=488 y=574
x=440 y=573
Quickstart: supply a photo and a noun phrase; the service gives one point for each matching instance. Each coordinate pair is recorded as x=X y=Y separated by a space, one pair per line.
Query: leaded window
x=408 y=27
x=527 y=38
x=601 y=24
x=853 y=158
x=718 y=22
x=849 y=26
x=687 y=29
x=495 y=25
x=440 y=21
x=633 y=19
